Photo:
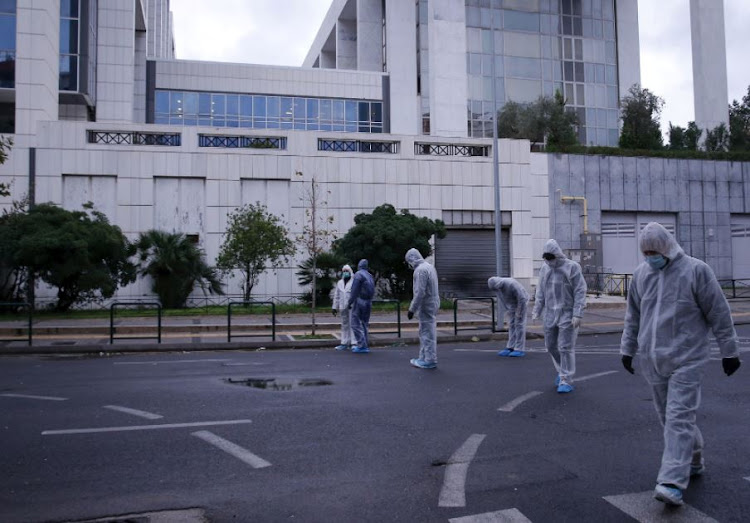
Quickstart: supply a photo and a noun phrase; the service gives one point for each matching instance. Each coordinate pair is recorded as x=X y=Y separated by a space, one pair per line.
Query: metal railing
x=472 y=298
x=134 y=138
x=248 y=304
x=19 y=304
x=398 y=316
x=607 y=283
x=357 y=146
x=241 y=142
x=140 y=304
x=736 y=289
x=450 y=149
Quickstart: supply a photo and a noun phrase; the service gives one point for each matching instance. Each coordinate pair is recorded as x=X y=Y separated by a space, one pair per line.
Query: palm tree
x=176 y=264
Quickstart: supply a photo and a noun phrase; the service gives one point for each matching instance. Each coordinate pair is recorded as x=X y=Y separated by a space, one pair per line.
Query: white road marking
x=134 y=412
x=453 y=493
x=597 y=375
x=146 y=427
x=748 y=478
x=643 y=507
x=32 y=397
x=511 y=515
x=233 y=449
x=508 y=407
x=163 y=362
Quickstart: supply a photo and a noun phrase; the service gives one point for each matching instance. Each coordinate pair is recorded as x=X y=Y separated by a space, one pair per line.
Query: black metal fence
x=12 y=307
x=397 y=308
x=241 y=142
x=248 y=304
x=472 y=298
x=607 y=283
x=140 y=305
x=450 y=149
x=736 y=289
x=135 y=138
x=357 y=146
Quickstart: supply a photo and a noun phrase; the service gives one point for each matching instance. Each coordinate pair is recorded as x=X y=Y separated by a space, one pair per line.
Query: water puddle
x=279 y=383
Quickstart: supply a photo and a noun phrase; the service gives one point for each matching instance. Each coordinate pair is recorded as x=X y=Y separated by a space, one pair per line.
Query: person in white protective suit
x=560 y=298
x=425 y=304
x=673 y=302
x=512 y=299
x=341 y=294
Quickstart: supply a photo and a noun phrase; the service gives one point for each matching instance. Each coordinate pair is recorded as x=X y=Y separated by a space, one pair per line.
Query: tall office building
x=586 y=49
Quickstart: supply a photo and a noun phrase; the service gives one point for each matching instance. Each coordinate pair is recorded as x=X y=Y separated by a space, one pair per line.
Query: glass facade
x=69 y=44
x=7 y=43
x=423 y=84
x=542 y=46
x=257 y=111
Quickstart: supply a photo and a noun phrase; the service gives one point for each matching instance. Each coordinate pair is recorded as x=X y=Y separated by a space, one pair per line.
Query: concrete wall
x=701 y=193
x=115 y=61
x=401 y=34
x=191 y=189
x=628 y=46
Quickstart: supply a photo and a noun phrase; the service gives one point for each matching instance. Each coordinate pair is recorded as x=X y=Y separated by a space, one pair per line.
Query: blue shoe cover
x=668 y=495
x=517 y=354
x=564 y=388
x=342 y=347
x=423 y=364
x=360 y=350
x=505 y=352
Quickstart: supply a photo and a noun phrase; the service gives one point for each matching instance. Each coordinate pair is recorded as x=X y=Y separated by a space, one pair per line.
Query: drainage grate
x=279 y=384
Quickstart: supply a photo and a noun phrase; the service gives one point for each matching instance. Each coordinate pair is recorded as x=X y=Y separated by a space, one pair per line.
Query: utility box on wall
x=589 y=254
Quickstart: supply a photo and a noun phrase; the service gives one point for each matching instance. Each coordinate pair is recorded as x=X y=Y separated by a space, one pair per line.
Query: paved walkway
x=603 y=315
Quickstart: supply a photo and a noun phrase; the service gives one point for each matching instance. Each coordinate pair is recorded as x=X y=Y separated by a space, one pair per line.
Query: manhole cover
x=279 y=383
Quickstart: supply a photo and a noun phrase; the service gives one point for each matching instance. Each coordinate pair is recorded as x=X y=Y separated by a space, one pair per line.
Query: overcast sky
x=280 y=32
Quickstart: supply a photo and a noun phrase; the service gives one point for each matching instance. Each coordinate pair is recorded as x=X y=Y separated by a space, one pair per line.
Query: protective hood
x=347 y=268
x=654 y=237
x=495 y=283
x=363 y=265
x=552 y=247
x=413 y=258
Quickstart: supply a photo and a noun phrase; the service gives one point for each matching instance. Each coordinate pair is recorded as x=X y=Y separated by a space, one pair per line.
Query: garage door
x=740 y=246
x=465 y=259
x=620 y=230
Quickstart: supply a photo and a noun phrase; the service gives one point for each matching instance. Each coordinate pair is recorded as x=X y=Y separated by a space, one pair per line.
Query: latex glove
x=576 y=322
x=410 y=314
x=334 y=312
x=627 y=362
x=730 y=365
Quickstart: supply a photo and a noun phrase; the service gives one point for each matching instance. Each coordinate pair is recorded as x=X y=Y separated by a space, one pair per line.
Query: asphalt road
x=382 y=442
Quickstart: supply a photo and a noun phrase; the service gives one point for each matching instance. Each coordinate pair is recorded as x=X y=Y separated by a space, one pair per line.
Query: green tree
x=640 y=111
x=717 y=139
x=544 y=121
x=327 y=267
x=5 y=144
x=78 y=252
x=561 y=130
x=509 y=120
x=254 y=239
x=676 y=137
x=739 y=124
x=383 y=237
x=13 y=277
x=693 y=135
x=176 y=265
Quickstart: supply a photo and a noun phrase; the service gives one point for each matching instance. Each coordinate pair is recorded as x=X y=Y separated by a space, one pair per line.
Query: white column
x=370 y=35
x=346 y=44
x=628 y=46
x=711 y=97
x=401 y=64
x=37 y=68
x=116 y=61
x=139 y=78
x=447 y=68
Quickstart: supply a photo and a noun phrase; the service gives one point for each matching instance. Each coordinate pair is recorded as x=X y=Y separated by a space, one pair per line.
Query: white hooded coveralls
x=560 y=296
x=425 y=304
x=341 y=294
x=512 y=299
x=670 y=312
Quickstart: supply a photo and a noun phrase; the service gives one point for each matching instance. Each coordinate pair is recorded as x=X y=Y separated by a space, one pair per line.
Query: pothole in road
x=279 y=383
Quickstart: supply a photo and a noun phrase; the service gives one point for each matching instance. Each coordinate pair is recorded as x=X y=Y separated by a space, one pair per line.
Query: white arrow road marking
x=643 y=507
x=32 y=397
x=453 y=493
x=511 y=515
x=134 y=412
x=597 y=375
x=508 y=407
x=163 y=362
x=233 y=449
x=146 y=427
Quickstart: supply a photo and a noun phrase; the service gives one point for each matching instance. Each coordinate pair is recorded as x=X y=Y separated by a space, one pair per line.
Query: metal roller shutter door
x=621 y=254
x=740 y=246
x=465 y=259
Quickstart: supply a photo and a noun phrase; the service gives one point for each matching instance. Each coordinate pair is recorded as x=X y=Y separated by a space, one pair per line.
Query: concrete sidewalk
x=603 y=315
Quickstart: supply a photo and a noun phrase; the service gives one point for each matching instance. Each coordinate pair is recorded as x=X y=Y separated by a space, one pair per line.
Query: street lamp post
x=495 y=156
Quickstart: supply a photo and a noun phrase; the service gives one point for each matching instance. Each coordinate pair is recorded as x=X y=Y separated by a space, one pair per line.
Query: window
x=518 y=21
x=69 y=45
x=7 y=44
